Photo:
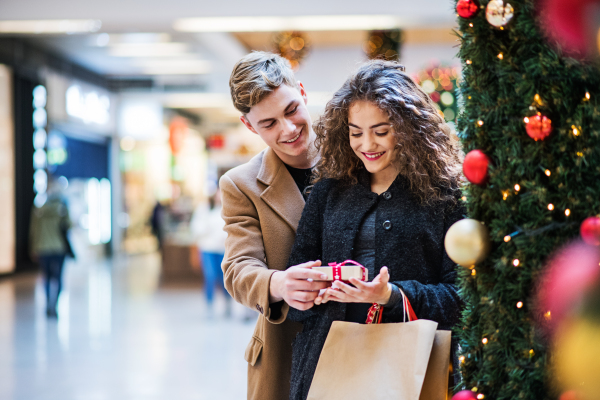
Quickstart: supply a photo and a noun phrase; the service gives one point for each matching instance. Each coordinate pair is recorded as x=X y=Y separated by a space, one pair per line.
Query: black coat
x=410 y=242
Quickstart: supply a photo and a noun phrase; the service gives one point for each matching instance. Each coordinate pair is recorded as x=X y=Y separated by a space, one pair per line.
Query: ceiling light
x=172 y=67
x=148 y=49
x=51 y=26
x=304 y=23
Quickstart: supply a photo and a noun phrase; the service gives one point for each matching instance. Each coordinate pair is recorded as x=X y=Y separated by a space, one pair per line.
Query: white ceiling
x=159 y=15
x=206 y=58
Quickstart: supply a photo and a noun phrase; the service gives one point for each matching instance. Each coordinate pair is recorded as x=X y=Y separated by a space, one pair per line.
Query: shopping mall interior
x=124 y=107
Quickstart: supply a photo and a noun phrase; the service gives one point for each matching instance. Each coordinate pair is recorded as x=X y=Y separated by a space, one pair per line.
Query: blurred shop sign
x=88 y=106
x=79 y=106
x=215 y=142
x=140 y=119
x=178 y=129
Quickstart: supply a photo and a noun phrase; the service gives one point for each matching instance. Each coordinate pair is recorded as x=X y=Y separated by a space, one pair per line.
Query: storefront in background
x=75 y=149
x=7 y=174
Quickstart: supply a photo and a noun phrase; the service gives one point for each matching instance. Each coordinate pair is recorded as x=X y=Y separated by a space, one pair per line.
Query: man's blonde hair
x=257 y=75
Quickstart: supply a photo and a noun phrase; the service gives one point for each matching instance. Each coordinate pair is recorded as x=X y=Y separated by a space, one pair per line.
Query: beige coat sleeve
x=247 y=277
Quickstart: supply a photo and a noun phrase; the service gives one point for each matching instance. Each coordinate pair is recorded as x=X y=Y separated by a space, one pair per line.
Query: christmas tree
x=533 y=114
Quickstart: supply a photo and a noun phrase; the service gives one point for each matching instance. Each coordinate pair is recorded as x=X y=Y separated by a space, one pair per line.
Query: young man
x=262 y=204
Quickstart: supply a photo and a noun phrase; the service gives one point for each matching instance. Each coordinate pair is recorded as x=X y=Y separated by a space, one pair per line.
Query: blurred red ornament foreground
x=590 y=231
x=475 y=167
x=570 y=273
x=568 y=22
x=538 y=127
x=465 y=395
x=467 y=8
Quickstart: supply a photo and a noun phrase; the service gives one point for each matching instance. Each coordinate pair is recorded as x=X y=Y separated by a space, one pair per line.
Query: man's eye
x=270 y=125
x=293 y=111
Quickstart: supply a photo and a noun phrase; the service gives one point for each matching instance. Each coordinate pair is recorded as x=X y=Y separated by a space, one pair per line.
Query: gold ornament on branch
x=499 y=13
x=467 y=242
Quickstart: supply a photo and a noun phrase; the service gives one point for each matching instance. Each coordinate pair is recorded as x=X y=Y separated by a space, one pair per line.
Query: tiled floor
x=119 y=336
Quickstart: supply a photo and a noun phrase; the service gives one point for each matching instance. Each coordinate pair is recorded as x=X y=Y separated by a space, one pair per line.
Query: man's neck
x=302 y=161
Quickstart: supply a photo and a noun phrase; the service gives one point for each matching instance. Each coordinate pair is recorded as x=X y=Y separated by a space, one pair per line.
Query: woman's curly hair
x=429 y=157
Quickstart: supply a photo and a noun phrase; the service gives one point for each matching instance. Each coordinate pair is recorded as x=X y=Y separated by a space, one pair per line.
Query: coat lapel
x=281 y=194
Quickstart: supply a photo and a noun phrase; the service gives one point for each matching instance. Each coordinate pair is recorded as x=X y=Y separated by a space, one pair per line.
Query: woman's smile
x=374 y=156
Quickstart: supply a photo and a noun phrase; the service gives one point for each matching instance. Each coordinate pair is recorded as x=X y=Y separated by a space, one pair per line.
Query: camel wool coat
x=262 y=207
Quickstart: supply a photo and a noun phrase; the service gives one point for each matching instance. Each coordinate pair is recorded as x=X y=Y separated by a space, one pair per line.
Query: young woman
x=386 y=192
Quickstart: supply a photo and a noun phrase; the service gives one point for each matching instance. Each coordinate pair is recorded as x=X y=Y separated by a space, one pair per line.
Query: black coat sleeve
x=438 y=302
x=309 y=243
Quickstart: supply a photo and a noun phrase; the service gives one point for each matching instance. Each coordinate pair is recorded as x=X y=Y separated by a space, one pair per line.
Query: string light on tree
x=567 y=212
x=519 y=304
x=484 y=340
x=517 y=187
x=550 y=206
x=547 y=172
x=516 y=262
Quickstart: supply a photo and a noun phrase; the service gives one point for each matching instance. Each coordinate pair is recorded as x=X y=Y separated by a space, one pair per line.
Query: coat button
x=387 y=195
x=387 y=225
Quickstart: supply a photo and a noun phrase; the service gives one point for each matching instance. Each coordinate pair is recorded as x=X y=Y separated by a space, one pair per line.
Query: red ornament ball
x=538 y=127
x=465 y=395
x=567 y=22
x=590 y=231
x=475 y=167
x=467 y=8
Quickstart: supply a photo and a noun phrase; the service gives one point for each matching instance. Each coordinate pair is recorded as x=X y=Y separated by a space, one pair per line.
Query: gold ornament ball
x=499 y=13
x=577 y=357
x=467 y=242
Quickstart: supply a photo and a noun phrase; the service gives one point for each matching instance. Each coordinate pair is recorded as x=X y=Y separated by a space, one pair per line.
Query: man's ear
x=247 y=123
x=303 y=92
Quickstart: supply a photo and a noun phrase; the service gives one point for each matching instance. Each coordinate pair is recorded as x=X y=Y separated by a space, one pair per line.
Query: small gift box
x=343 y=272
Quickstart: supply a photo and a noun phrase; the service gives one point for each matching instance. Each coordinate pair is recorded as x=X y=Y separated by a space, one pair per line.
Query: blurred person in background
x=262 y=204
x=49 y=243
x=207 y=226
x=157 y=222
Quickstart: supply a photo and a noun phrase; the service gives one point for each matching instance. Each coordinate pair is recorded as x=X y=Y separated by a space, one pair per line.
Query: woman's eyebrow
x=372 y=127
x=379 y=124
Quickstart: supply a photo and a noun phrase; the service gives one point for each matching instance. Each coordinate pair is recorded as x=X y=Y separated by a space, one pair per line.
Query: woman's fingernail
x=323 y=276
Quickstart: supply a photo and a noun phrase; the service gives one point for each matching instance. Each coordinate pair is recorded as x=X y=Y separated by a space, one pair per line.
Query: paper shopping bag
x=435 y=386
x=379 y=361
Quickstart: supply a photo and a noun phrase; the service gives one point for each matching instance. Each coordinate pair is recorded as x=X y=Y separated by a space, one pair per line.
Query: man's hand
x=298 y=285
x=378 y=291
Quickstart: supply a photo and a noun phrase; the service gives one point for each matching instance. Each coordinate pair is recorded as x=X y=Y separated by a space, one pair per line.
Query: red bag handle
x=376 y=311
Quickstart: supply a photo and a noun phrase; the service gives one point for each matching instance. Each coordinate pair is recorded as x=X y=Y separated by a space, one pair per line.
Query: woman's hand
x=378 y=291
